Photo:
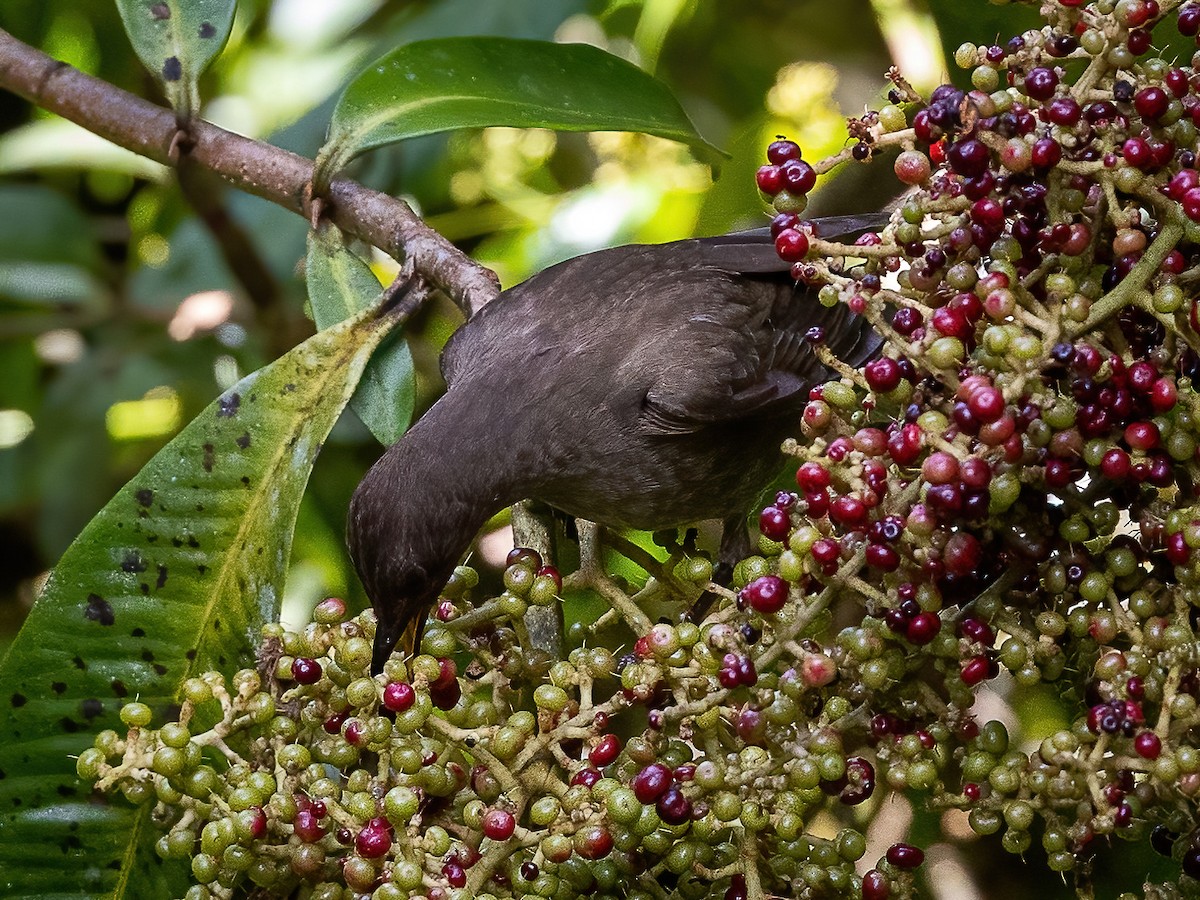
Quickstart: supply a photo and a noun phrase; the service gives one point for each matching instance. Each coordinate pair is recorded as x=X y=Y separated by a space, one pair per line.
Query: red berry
x=905 y=443
x=586 y=776
x=883 y=557
x=875 y=886
x=1178 y=552
x=305 y=670
x=882 y=374
x=969 y=157
x=1045 y=153
x=673 y=806
x=1176 y=81
x=1151 y=102
x=923 y=628
x=988 y=212
x=825 y=550
x=307 y=827
x=791 y=245
x=765 y=595
x=769 y=180
x=798 y=176
x=258 y=822
x=1191 y=204
x=849 y=512
x=605 y=751
x=987 y=404
x=375 y=838
x=905 y=856
x=962 y=554
x=1063 y=111
x=781 y=150
x=1142 y=435
x=1147 y=745
x=812 y=477
x=912 y=167
x=455 y=874
x=498 y=824
x=1115 y=464
x=951 y=322
x=1163 y=395
x=1188 y=22
x=553 y=574
x=1182 y=182
x=398 y=696
x=593 y=842
x=774 y=523
x=1041 y=82
x=977 y=669
x=940 y=468
x=650 y=783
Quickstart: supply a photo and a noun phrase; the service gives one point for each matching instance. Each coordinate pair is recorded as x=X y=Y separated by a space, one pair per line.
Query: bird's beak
x=386 y=636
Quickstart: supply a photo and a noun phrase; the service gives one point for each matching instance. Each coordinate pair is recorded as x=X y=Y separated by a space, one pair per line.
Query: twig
x=253 y=166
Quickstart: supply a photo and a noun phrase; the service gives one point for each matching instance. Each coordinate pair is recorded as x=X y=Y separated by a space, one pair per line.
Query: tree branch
x=259 y=168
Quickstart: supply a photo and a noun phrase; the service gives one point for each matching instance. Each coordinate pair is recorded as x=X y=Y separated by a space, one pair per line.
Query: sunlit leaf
x=441 y=84
x=340 y=284
x=175 y=576
x=176 y=40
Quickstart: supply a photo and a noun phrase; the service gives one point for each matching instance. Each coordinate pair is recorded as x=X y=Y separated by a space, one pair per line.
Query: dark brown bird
x=647 y=386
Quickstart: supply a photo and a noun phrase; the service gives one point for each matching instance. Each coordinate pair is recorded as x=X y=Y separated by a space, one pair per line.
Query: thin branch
x=253 y=166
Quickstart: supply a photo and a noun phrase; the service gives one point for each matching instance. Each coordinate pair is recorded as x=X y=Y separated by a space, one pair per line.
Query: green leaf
x=472 y=82
x=176 y=40
x=175 y=576
x=340 y=284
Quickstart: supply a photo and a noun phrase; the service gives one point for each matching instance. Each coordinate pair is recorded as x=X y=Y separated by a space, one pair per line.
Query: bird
x=647 y=386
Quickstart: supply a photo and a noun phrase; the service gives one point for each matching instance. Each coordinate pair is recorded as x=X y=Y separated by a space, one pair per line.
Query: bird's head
x=413 y=516
x=401 y=572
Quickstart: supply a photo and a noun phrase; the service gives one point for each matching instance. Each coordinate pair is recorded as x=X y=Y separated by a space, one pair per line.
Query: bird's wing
x=724 y=304
x=747 y=334
x=743 y=356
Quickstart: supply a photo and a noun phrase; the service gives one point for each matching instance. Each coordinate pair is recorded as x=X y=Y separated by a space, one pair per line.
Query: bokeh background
x=128 y=300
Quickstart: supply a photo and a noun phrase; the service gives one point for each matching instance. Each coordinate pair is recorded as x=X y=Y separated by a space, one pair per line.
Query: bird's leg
x=543 y=623
x=591 y=574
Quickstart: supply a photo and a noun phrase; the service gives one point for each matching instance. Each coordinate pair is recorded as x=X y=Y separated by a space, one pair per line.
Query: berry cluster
x=1012 y=485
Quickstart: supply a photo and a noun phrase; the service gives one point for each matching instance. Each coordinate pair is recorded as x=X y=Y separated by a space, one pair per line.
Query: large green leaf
x=175 y=575
x=470 y=82
x=176 y=40
x=340 y=284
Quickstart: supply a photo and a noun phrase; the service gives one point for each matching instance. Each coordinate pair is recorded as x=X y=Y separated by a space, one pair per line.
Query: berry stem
x=754 y=888
x=592 y=575
x=1125 y=292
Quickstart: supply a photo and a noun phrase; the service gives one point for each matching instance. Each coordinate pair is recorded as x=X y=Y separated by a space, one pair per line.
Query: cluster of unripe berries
x=420 y=782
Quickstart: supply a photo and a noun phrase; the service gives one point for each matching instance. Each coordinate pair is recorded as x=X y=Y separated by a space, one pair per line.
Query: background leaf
x=176 y=40
x=341 y=284
x=175 y=576
x=437 y=85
